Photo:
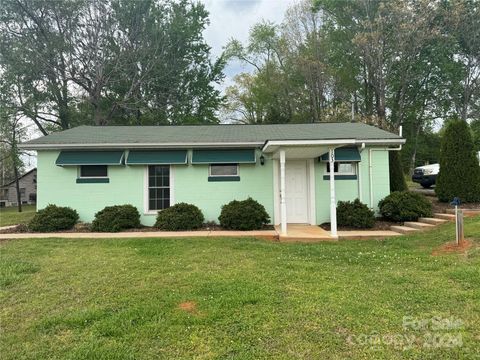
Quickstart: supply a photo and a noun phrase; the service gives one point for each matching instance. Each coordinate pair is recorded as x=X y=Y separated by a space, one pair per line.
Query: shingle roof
x=201 y=134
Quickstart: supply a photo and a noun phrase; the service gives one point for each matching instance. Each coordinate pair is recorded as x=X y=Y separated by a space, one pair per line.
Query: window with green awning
x=74 y=158
x=157 y=157
x=223 y=156
x=344 y=154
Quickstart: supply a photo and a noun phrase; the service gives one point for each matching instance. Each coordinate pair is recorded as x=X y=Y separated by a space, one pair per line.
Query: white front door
x=296 y=189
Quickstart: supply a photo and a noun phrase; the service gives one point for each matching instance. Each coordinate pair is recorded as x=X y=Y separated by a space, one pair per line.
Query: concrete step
x=432 y=221
x=448 y=217
x=418 y=225
x=403 y=229
x=466 y=212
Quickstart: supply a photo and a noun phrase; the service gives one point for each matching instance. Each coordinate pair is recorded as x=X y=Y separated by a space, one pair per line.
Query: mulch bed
x=380 y=224
x=84 y=228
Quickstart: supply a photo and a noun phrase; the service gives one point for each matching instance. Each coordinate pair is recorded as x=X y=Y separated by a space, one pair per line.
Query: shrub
x=397 y=178
x=116 y=218
x=179 y=217
x=459 y=174
x=243 y=215
x=53 y=218
x=355 y=214
x=405 y=206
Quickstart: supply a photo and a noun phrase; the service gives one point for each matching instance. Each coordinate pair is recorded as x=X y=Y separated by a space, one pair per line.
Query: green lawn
x=119 y=298
x=11 y=216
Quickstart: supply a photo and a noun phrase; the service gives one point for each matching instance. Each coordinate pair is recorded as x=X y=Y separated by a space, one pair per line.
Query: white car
x=426 y=175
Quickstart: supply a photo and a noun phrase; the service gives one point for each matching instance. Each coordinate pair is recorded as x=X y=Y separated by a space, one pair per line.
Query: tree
x=397 y=178
x=12 y=132
x=459 y=174
x=109 y=62
x=475 y=126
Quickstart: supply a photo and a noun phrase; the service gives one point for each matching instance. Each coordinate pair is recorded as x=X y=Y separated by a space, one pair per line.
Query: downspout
x=359 y=182
x=370 y=174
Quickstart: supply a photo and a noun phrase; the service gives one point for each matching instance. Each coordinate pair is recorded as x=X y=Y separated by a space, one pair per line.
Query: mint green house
x=287 y=168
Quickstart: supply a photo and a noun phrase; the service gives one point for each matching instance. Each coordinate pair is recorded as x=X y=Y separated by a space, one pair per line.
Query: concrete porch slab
x=303 y=233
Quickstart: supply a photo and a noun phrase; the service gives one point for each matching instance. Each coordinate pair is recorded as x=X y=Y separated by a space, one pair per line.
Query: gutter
x=139 y=146
x=254 y=144
x=370 y=172
x=272 y=143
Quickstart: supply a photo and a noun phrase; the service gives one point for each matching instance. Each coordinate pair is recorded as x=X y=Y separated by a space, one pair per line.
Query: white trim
x=276 y=192
x=252 y=144
x=274 y=143
x=146 y=210
x=283 y=204
x=359 y=182
x=311 y=192
x=333 y=202
x=172 y=185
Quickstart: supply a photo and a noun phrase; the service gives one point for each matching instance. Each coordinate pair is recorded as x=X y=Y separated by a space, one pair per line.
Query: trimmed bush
x=459 y=174
x=405 y=206
x=397 y=178
x=180 y=217
x=116 y=218
x=243 y=215
x=355 y=214
x=53 y=218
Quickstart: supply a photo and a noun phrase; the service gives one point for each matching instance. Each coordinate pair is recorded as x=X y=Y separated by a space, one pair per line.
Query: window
x=342 y=168
x=22 y=192
x=223 y=170
x=158 y=187
x=93 y=171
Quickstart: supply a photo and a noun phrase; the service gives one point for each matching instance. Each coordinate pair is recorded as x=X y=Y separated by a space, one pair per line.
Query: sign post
x=458 y=221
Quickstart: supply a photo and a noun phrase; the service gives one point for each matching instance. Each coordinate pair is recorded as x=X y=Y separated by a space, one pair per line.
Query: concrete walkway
x=303 y=233
x=267 y=234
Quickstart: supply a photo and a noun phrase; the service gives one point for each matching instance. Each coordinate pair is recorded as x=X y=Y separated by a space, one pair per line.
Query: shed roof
x=203 y=135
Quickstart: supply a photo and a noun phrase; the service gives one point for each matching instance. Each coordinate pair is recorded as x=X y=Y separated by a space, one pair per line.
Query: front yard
x=239 y=298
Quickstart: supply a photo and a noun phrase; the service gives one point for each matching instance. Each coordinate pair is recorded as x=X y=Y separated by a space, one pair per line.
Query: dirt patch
x=188 y=306
x=452 y=247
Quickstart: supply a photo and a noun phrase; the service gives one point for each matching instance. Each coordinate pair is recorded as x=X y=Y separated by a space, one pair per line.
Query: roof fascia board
x=140 y=146
x=333 y=142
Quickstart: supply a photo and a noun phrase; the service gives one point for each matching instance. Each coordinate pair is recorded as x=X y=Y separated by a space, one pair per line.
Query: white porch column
x=283 y=201
x=333 y=203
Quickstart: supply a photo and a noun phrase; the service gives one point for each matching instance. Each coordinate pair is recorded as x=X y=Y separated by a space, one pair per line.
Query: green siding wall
x=57 y=185
x=348 y=189
x=192 y=186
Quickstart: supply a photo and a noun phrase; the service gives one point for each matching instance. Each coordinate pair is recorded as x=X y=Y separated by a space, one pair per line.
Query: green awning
x=157 y=157
x=72 y=158
x=223 y=156
x=344 y=154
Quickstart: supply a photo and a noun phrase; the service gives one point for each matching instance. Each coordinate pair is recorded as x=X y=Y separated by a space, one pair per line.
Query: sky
x=233 y=19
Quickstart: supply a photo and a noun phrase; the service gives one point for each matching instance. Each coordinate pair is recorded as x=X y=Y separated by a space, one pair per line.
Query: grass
x=11 y=216
x=237 y=298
